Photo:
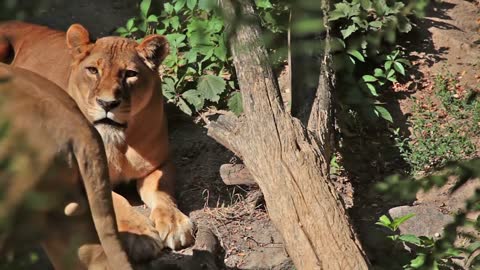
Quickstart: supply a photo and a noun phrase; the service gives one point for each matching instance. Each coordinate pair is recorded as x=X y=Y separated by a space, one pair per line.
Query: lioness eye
x=92 y=70
x=130 y=73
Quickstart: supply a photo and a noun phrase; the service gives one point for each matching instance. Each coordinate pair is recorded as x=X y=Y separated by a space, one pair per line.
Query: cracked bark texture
x=288 y=162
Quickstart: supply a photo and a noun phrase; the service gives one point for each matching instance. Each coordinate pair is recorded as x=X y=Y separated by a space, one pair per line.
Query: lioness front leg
x=156 y=191
x=137 y=232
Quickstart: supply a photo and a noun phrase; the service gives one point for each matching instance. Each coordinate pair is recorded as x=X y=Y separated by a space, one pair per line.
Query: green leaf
x=376 y=24
x=198 y=34
x=384 y=221
x=372 y=89
x=179 y=5
x=369 y=78
x=383 y=113
x=336 y=15
x=404 y=62
x=400 y=220
x=410 y=238
x=130 y=23
x=193 y=97
x=366 y=4
x=265 y=4
x=380 y=7
x=176 y=39
x=349 y=30
x=206 y=5
x=168 y=8
x=363 y=24
x=144 y=7
x=191 y=4
x=168 y=88
x=356 y=54
x=343 y=8
x=235 y=103
x=184 y=106
x=191 y=56
x=399 y=68
x=221 y=51
x=388 y=64
x=404 y=25
x=419 y=261
x=152 y=18
x=174 y=22
x=211 y=86
x=391 y=73
x=378 y=72
x=121 y=30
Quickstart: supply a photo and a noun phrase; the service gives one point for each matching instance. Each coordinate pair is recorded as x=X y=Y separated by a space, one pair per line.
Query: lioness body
x=115 y=83
x=57 y=146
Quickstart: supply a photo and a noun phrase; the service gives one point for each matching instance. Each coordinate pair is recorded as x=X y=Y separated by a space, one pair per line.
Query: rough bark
x=312 y=79
x=286 y=160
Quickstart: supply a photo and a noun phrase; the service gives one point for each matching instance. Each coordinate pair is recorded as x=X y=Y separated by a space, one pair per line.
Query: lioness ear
x=153 y=50
x=77 y=39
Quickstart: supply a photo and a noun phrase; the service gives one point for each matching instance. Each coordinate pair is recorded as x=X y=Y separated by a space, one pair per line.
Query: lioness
x=51 y=148
x=115 y=83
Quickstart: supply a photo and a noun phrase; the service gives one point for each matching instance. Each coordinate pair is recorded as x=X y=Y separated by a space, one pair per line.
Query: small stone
x=428 y=220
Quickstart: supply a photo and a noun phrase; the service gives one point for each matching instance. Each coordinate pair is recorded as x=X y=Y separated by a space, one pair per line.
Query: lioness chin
x=115 y=83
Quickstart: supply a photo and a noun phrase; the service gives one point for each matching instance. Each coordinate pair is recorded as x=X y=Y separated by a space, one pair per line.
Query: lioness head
x=113 y=78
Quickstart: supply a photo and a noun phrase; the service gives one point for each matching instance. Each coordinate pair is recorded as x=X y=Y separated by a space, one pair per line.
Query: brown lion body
x=114 y=78
x=53 y=148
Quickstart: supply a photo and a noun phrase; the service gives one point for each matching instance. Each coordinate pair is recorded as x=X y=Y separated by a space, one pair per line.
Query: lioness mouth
x=110 y=122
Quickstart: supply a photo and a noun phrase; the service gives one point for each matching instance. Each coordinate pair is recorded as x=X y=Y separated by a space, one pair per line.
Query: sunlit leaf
x=383 y=113
x=211 y=86
x=192 y=96
x=144 y=7
x=356 y=54
x=184 y=106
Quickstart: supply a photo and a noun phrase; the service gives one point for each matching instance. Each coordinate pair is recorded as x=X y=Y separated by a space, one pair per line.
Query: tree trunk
x=312 y=78
x=286 y=160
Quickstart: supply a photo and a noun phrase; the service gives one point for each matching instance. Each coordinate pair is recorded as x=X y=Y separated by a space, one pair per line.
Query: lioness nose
x=108 y=105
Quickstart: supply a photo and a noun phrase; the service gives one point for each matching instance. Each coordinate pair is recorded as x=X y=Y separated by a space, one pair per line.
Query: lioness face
x=114 y=78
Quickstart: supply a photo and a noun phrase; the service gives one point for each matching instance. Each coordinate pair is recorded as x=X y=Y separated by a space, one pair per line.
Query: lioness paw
x=174 y=227
x=140 y=239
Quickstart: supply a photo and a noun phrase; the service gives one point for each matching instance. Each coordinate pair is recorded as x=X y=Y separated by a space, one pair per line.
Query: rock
x=236 y=174
x=428 y=219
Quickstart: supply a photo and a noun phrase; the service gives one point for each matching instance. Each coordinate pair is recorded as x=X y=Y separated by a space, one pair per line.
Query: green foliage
x=438 y=254
x=198 y=71
x=393 y=224
x=366 y=54
x=442 y=127
x=235 y=103
x=422 y=246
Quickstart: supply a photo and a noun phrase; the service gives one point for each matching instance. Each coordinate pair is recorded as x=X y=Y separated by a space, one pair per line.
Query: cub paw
x=174 y=227
x=140 y=239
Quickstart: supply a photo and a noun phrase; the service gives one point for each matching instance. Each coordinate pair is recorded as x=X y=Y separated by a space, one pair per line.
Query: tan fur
x=139 y=151
x=53 y=147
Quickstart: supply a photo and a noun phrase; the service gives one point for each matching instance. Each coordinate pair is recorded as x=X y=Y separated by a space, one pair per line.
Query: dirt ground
x=447 y=37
